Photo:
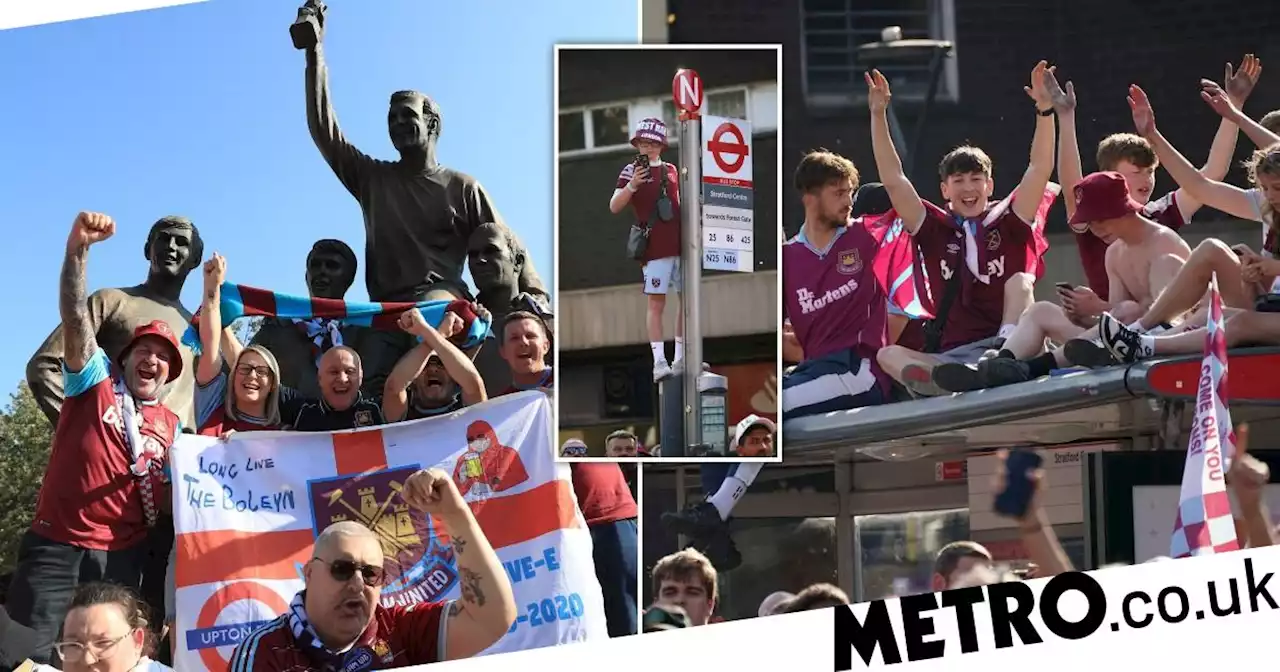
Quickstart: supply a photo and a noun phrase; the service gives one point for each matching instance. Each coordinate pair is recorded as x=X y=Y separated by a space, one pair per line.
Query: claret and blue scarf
x=325 y=316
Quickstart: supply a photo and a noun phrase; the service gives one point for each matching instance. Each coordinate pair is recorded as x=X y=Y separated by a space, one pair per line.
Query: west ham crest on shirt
x=993 y=240
x=850 y=262
x=364 y=418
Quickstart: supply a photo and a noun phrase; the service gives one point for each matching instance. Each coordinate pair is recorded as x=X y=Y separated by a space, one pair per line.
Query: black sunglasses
x=343 y=570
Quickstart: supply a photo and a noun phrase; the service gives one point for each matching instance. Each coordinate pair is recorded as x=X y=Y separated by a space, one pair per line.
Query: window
x=610 y=126
x=896 y=551
x=606 y=127
x=573 y=131
x=832 y=31
x=732 y=104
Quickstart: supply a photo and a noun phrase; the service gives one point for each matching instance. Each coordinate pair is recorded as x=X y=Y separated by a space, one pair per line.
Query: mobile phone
x=641 y=161
x=1016 y=497
x=1065 y=286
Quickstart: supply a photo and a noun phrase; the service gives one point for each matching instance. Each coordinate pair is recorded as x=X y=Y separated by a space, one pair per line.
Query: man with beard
x=298 y=344
x=418 y=214
x=104 y=489
x=173 y=249
x=497 y=259
x=337 y=621
x=434 y=378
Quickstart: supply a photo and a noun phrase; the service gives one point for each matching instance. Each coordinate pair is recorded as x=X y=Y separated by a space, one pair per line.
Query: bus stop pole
x=691 y=266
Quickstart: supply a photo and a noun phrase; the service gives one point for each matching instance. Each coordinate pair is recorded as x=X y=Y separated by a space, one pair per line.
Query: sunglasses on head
x=343 y=570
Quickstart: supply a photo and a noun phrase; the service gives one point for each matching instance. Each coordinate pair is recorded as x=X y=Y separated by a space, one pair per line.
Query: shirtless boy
x=990 y=255
x=1243 y=275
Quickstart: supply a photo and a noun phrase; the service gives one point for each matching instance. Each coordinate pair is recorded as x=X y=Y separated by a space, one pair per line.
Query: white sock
x=659 y=352
x=1137 y=326
x=679 y=348
x=1005 y=330
x=733 y=488
x=1147 y=345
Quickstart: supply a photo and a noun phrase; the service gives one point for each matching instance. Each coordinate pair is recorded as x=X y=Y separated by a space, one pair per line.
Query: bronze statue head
x=495 y=257
x=413 y=121
x=174 y=248
x=331 y=268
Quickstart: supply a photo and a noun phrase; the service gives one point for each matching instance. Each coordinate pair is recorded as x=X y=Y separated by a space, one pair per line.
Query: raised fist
x=90 y=228
x=215 y=272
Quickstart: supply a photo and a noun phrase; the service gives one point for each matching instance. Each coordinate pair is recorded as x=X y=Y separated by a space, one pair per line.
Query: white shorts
x=661 y=276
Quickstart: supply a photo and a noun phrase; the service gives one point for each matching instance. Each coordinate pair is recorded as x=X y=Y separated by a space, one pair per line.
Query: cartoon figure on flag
x=487 y=466
x=1204 y=524
x=419 y=560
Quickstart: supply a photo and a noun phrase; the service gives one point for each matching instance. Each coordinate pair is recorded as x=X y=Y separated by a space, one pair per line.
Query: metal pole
x=935 y=72
x=691 y=263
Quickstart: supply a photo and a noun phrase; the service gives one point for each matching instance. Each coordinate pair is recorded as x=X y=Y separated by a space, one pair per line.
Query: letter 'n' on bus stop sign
x=686 y=92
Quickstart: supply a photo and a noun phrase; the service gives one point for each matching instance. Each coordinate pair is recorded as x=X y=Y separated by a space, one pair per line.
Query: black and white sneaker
x=1122 y=342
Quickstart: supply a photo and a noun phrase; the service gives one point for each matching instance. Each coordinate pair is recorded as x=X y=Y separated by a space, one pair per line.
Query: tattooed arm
x=79 y=341
x=487 y=607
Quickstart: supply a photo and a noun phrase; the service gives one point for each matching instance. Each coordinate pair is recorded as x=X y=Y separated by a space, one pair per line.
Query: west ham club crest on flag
x=420 y=563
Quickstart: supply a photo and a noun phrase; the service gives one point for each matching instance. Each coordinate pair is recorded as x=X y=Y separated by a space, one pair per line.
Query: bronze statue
x=173 y=249
x=497 y=258
x=418 y=214
x=298 y=344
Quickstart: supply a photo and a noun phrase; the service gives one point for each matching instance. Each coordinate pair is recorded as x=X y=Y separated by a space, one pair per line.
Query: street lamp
x=893 y=50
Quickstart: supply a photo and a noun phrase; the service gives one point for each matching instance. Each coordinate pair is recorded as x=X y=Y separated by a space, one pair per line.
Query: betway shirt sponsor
x=832 y=296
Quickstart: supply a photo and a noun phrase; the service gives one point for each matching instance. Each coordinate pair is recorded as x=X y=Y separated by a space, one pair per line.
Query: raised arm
x=1026 y=200
x=345 y=160
x=78 y=338
x=210 y=363
x=395 y=392
x=629 y=181
x=1070 y=171
x=1225 y=197
x=1237 y=85
x=902 y=194
x=488 y=606
x=458 y=364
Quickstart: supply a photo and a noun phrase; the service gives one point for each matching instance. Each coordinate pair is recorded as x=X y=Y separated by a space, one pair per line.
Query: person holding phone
x=651 y=187
x=1019 y=484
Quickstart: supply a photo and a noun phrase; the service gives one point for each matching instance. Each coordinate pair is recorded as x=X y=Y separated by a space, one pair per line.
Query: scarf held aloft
x=243 y=301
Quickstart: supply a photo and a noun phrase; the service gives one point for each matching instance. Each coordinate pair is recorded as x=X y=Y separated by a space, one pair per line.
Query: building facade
x=605 y=371
x=868 y=525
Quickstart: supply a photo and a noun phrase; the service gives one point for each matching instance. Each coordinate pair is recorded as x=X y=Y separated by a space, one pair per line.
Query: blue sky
x=198 y=110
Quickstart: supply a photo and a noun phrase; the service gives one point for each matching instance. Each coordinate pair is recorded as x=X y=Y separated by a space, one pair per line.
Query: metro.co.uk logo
x=904 y=630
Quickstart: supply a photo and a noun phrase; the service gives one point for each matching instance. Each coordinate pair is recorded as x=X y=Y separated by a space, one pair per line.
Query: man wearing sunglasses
x=338 y=623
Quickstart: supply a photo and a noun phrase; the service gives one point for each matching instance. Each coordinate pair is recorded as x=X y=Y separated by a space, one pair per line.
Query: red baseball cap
x=158 y=328
x=1101 y=196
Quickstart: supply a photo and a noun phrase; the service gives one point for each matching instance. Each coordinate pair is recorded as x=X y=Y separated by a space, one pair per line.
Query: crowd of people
x=129 y=370
x=686 y=591
x=105 y=491
x=968 y=319
x=955 y=311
